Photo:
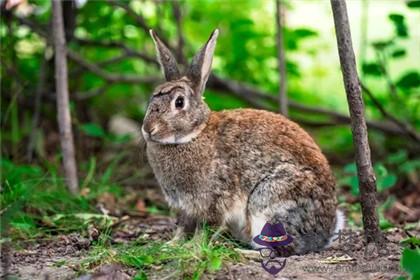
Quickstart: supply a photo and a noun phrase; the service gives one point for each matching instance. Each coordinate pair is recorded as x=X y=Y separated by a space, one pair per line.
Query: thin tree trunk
x=37 y=108
x=367 y=181
x=177 y=12
x=283 y=104
x=61 y=82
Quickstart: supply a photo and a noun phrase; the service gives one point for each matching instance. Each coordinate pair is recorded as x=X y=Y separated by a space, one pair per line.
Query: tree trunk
x=367 y=181
x=283 y=104
x=63 y=111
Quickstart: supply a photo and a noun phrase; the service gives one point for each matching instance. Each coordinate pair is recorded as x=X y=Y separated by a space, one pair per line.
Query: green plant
x=36 y=203
x=410 y=263
x=187 y=260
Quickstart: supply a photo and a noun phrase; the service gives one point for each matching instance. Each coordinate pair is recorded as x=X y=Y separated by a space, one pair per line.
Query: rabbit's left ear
x=166 y=59
x=200 y=68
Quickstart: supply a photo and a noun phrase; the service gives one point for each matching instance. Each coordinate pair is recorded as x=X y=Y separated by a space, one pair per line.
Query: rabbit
x=237 y=169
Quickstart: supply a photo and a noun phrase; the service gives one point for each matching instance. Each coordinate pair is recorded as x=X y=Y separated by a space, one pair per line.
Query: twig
x=382 y=65
x=92 y=93
x=280 y=12
x=404 y=126
x=404 y=208
x=112 y=44
x=112 y=78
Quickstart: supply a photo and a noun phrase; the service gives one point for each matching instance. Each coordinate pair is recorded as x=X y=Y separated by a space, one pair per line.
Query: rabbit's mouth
x=153 y=136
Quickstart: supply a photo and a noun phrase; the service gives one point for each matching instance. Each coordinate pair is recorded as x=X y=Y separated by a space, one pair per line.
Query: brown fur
x=238 y=168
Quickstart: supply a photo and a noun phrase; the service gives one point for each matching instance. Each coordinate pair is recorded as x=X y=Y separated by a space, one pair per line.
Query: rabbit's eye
x=179 y=102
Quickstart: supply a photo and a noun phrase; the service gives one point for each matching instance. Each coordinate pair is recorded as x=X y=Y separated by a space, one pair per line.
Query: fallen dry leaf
x=141 y=205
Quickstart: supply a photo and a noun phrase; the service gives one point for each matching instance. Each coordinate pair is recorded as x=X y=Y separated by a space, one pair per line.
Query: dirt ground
x=347 y=258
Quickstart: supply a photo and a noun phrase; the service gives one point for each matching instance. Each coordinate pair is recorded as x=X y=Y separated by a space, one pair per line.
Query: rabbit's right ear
x=200 y=68
x=166 y=59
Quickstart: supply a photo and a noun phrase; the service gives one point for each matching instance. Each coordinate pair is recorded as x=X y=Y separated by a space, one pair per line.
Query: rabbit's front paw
x=178 y=237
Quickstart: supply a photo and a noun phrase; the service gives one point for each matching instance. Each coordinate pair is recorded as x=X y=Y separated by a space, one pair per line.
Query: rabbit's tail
x=340 y=222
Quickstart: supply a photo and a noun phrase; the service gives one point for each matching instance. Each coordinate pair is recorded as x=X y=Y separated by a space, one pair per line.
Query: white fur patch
x=257 y=224
x=187 y=138
x=145 y=134
x=339 y=225
x=167 y=140
x=235 y=218
x=172 y=139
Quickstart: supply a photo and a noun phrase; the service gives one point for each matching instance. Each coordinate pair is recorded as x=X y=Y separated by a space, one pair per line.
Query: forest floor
x=113 y=232
x=74 y=256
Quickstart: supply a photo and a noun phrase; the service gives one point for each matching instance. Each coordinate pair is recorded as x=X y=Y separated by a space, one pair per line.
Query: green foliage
x=409 y=80
x=412 y=241
x=410 y=262
x=186 y=260
x=93 y=130
x=399 y=23
x=413 y=4
x=373 y=69
x=35 y=203
x=386 y=172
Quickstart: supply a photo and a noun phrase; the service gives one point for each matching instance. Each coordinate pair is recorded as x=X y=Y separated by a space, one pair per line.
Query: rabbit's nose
x=153 y=130
x=150 y=130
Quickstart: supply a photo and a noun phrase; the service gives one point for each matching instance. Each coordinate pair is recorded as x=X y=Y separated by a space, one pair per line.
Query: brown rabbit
x=236 y=168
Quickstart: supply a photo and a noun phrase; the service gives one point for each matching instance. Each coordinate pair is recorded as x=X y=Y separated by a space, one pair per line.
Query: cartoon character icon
x=272 y=237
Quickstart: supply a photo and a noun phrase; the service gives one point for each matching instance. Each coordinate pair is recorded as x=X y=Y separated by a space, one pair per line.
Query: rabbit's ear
x=200 y=67
x=166 y=60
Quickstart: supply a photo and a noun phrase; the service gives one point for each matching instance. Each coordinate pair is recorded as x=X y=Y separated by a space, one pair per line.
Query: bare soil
x=347 y=258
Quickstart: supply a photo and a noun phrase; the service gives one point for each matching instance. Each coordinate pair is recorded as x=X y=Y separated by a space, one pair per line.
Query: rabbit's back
x=257 y=140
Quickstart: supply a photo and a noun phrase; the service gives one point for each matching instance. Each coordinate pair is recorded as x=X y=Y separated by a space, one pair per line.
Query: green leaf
x=410 y=262
x=350 y=168
x=397 y=158
x=409 y=80
x=385 y=223
x=304 y=32
x=411 y=241
x=381 y=45
x=93 y=130
x=399 y=24
x=413 y=4
x=140 y=276
x=215 y=263
x=410 y=166
x=386 y=182
x=372 y=69
x=380 y=170
x=354 y=184
x=398 y=53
